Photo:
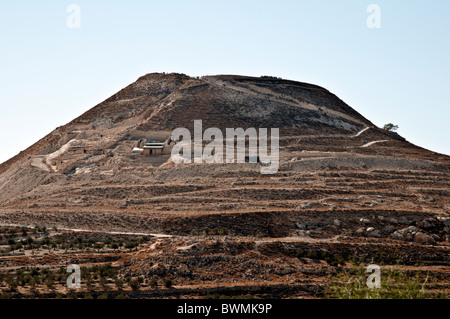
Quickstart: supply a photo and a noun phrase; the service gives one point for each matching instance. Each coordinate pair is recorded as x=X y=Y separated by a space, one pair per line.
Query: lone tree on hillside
x=390 y=127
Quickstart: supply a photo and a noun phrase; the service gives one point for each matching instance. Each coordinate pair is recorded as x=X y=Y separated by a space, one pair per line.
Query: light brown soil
x=230 y=230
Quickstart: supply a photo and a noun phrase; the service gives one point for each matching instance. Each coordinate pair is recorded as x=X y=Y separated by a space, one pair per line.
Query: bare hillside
x=345 y=191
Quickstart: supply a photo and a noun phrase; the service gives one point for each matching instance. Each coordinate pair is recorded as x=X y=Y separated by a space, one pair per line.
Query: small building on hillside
x=151 y=149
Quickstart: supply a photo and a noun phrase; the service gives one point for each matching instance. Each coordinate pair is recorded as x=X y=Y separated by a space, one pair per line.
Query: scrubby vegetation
x=40 y=238
x=395 y=284
x=98 y=281
x=390 y=127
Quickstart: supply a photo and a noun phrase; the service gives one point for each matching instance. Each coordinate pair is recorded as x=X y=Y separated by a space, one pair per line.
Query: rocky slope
x=344 y=186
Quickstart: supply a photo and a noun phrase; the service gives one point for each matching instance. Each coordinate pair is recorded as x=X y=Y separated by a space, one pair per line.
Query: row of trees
x=78 y=242
x=98 y=277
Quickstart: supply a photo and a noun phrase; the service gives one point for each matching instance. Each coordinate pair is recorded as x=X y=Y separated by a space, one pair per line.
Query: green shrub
x=167 y=283
x=29 y=241
x=107 y=270
x=134 y=285
x=153 y=283
x=119 y=284
x=390 y=127
x=5 y=295
x=34 y=272
x=103 y=296
x=50 y=284
x=99 y=246
x=12 y=284
x=104 y=283
x=130 y=245
x=88 y=296
x=144 y=239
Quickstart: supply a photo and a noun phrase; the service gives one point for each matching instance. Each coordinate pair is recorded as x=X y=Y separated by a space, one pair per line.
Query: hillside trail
x=360 y=132
x=288 y=239
x=39 y=162
x=102 y=231
x=374 y=142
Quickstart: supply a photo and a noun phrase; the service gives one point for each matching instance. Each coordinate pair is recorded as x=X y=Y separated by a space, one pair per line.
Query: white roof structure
x=154 y=145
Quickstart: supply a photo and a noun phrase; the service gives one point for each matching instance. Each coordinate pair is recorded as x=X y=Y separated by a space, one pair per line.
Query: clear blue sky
x=399 y=73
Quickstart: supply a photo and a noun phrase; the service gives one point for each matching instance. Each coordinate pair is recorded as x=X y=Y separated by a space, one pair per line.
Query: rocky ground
x=347 y=194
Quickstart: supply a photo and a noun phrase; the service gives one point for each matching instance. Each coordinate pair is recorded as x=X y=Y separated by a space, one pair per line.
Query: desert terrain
x=347 y=194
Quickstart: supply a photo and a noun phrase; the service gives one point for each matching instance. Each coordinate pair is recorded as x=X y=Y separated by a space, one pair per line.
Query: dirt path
x=110 y=232
x=38 y=161
x=360 y=132
x=58 y=153
x=374 y=142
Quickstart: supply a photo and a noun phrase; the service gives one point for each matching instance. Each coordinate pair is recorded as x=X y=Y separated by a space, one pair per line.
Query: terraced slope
x=345 y=190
